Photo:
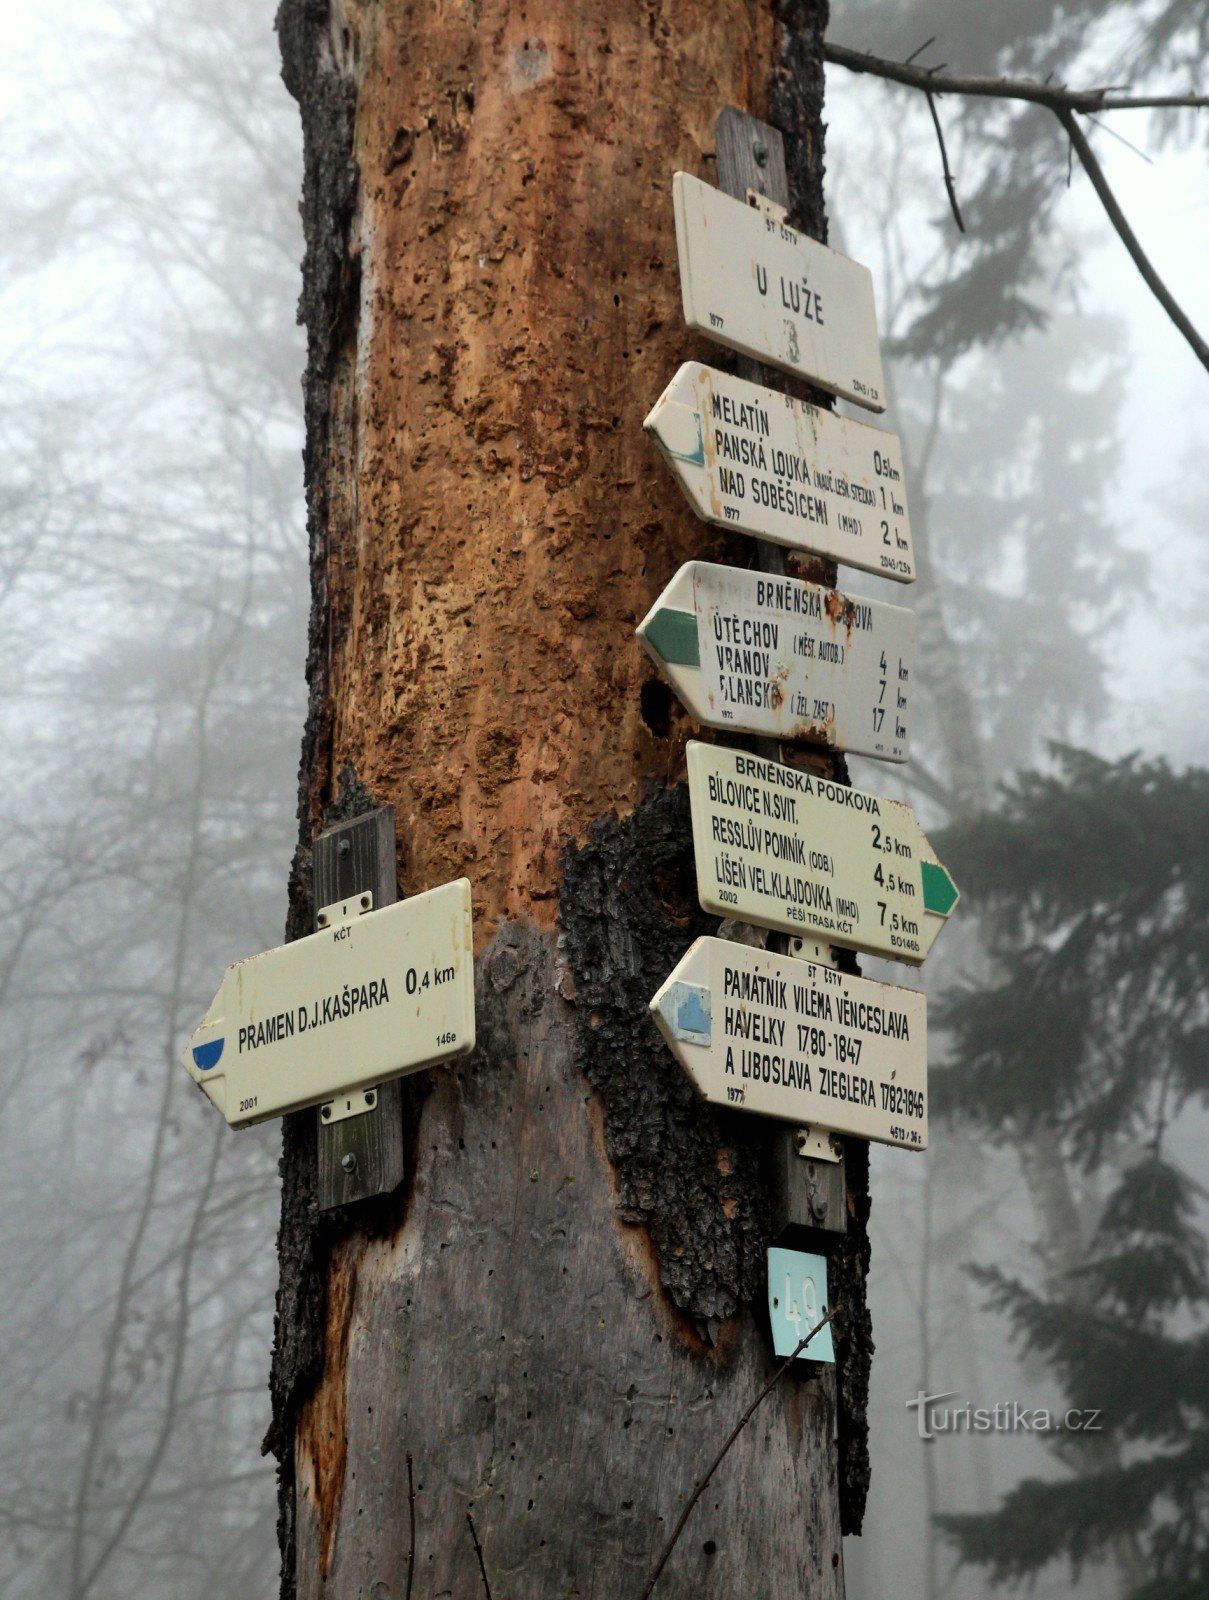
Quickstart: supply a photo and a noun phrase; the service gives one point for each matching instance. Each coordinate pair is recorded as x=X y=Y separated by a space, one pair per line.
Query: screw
x=349 y=1162
x=761 y=154
x=343 y=848
x=818 y=1204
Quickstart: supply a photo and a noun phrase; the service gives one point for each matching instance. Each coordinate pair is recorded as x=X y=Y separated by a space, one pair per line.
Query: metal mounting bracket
x=766 y=207
x=816 y=1144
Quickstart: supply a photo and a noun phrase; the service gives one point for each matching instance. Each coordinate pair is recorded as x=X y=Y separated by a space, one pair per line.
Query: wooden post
x=806 y=1195
x=359 y=1156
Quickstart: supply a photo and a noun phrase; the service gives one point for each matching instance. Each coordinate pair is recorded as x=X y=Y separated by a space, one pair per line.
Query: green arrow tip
x=673 y=636
x=940 y=892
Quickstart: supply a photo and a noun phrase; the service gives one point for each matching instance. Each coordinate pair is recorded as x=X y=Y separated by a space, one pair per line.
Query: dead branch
x=1064 y=103
x=1054 y=96
x=944 y=161
x=717 y=1461
x=478 y=1550
x=411 y=1513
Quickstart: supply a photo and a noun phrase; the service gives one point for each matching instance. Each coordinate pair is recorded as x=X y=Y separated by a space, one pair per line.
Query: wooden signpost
x=798 y=853
x=799 y=1041
x=758 y=286
x=766 y=464
x=762 y=654
x=369 y=997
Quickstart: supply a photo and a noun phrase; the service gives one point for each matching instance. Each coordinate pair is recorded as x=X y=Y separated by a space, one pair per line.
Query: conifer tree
x=1098 y=883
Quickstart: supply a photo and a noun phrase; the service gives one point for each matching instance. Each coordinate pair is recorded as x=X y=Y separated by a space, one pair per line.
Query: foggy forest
x=1048 y=1250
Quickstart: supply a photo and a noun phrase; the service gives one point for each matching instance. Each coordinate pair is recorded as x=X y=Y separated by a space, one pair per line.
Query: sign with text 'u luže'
x=764 y=654
x=796 y=1040
x=347 y=1008
x=766 y=464
x=792 y=851
x=758 y=286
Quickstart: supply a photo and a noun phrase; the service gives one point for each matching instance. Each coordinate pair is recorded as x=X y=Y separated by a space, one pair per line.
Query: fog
x=153 y=590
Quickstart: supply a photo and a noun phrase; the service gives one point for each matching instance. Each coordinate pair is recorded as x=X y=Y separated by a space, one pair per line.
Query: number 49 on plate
x=797 y=1300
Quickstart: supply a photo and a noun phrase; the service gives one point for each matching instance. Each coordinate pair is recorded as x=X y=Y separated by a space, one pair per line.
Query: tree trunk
x=562 y=1312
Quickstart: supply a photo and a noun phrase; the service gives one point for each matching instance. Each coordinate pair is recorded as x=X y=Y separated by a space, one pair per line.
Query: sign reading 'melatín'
x=349 y=1007
x=765 y=654
x=793 y=851
x=751 y=282
x=766 y=464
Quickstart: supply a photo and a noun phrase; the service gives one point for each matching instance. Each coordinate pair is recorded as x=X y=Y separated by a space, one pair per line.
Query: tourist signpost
x=799 y=1041
x=779 y=469
x=789 y=850
x=758 y=286
x=370 y=996
x=763 y=654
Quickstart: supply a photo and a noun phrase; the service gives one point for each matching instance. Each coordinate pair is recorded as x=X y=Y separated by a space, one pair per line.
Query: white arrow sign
x=361 y=1001
x=793 y=851
x=763 y=463
x=756 y=285
x=790 y=1039
x=772 y=655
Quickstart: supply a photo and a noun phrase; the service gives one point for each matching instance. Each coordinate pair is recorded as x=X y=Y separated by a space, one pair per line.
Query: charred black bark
x=689 y=1173
x=795 y=105
x=327 y=308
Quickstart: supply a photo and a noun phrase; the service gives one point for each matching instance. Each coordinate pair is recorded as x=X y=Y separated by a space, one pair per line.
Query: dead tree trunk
x=562 y=1311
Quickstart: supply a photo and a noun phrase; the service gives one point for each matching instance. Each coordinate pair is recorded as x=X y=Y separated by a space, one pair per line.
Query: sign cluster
x=761 y=654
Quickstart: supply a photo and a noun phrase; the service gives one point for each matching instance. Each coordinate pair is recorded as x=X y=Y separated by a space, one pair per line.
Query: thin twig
x=411 y=1514
x=478 y=1550
x=1130 y=239
x=1054 y=96
x=931 y=39
x=944 y=161
x=1064 y=103
x=717 y=1461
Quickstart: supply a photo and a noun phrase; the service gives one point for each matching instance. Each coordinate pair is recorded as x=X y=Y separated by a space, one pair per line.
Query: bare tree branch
x=1053 y=96
x=478 y=1550
x=738 y=1428
x=1064 y=103
x=944 y=161
x=1129 y=239
x=411 y=1513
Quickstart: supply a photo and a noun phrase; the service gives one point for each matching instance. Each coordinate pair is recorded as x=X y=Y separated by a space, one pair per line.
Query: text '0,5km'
x=758 y=286
x=795 y=852
x=349 y=1007
x=779 y=469
x=799 y=1041
x=764 y=654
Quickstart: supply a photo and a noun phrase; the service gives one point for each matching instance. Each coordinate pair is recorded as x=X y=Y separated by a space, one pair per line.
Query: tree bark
x=562 y=1312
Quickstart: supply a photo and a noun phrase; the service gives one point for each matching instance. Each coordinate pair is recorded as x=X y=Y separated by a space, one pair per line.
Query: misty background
x=153 y=598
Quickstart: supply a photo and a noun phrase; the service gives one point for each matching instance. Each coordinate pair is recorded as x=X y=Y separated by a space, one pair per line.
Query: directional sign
x=797 y=1303
x=772 y=655
x=758 y=286
x=799 y=1041
x=763 y=463
x=362 y=1001
x=793 y=851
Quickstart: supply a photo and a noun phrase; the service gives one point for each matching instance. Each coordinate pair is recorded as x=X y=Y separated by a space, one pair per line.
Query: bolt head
x=818 y=1204
x=761 y=154
x=343 y=848
x=349 y=1162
